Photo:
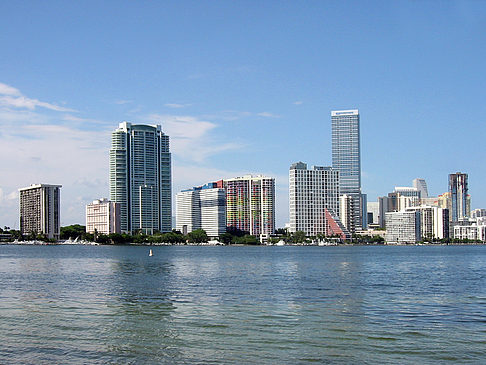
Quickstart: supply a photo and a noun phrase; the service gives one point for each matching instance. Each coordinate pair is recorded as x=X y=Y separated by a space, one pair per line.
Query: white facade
x=434 y=222
x=374 y=208
x=403 y=227
x=201 y=208
x=40 y=210
x=103 y=216
x=477 y=213
x=474 y=229
x=346 y=210
x=311 y=192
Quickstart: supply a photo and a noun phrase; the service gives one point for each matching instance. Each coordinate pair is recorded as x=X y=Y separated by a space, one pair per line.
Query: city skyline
x=235 y=102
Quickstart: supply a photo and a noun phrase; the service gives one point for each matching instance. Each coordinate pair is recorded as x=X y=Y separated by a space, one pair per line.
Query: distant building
x=311 y=193
x=103 y=216
x=477 y=213
x=140 y=177
x=471 y=229
x=373 y=209
x=382 y=209
x=421 y=186
x=202 y=207
x=458 y=189
x=403 y=227
x=250 y=204
x=346 y=212
x=434 y=221
x=346 y=158
x=40 y=210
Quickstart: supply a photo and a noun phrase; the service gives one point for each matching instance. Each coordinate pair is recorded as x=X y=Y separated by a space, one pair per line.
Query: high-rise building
x=40 y=210
x=434 y=221
x=202 y=207
x=103 y=216
x=458 y=191
x=250 y=204
x=140 y=177
x=346 y=158
x=421 y=186
x=403 y=227
x=311 y=193
x=346 y=205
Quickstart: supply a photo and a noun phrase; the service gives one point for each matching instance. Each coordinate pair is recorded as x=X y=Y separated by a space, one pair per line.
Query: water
x=242 y=305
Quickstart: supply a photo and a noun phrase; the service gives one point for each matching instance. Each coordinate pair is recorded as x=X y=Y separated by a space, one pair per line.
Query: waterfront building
x=403 y=227
x=202 y=207
x=40 y=210
x=250 y=204
x=471 y=229
x=434 y=221
x=432 y=201
x=421 y=186
x=346 y=212
x=311 y=193
x=140 y=177
x=103 y=216
x=346 y=158
x=458 y=189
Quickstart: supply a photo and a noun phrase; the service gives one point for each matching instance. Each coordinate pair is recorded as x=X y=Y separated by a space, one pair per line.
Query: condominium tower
x=459 y=200
x=346 y=159
x=312 y=193
x=250 y=204
x=39 y=210
x=140 y=177
x=202 y=207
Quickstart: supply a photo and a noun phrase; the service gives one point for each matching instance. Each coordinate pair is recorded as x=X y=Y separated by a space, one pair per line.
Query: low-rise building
x=103 y=216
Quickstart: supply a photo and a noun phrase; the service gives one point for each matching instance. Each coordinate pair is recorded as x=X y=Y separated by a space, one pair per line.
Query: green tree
x=197 y=236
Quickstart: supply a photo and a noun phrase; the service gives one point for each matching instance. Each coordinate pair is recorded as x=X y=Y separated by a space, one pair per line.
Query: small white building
x=103 y=216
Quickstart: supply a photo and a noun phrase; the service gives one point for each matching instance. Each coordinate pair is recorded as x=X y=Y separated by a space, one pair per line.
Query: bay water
x=242 y=305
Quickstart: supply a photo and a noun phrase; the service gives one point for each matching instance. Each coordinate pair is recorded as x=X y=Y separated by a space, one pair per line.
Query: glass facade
x=346 y=157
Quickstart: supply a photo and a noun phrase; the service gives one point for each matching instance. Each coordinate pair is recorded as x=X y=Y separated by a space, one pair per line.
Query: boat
x=151 y=253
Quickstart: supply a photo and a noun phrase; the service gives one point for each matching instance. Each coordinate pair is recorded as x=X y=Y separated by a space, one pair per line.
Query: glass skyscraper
x=346 y=158
x=140 y=177
x=458 y=190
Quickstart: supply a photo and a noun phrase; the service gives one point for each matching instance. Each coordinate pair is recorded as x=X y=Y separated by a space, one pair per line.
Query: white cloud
x=268 y=115
x=176 y=106
x=8 y=90
x=190 y=137
x=122 y=102
x=298 y=102
x=12 y=97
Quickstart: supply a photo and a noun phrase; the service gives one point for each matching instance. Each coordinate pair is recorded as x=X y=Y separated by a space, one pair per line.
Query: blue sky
x=240 y=87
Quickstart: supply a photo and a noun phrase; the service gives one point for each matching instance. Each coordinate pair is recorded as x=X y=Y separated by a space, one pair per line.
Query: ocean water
x=242 y=305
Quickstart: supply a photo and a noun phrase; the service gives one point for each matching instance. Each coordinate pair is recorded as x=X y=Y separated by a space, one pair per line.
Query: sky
x=240 y=87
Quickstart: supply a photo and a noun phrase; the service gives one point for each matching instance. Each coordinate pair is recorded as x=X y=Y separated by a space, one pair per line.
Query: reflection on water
x=233 y=305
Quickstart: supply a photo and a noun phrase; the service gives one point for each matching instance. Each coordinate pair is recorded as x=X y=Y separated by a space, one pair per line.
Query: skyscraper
x=40 y=210
x=140 y=177
x=346 y=158
x=421 y=186
x=458 y=191
x=312 y=192
x=250 y=204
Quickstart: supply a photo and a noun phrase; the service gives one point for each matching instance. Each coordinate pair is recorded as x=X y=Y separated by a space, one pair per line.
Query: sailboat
x=151 y=253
